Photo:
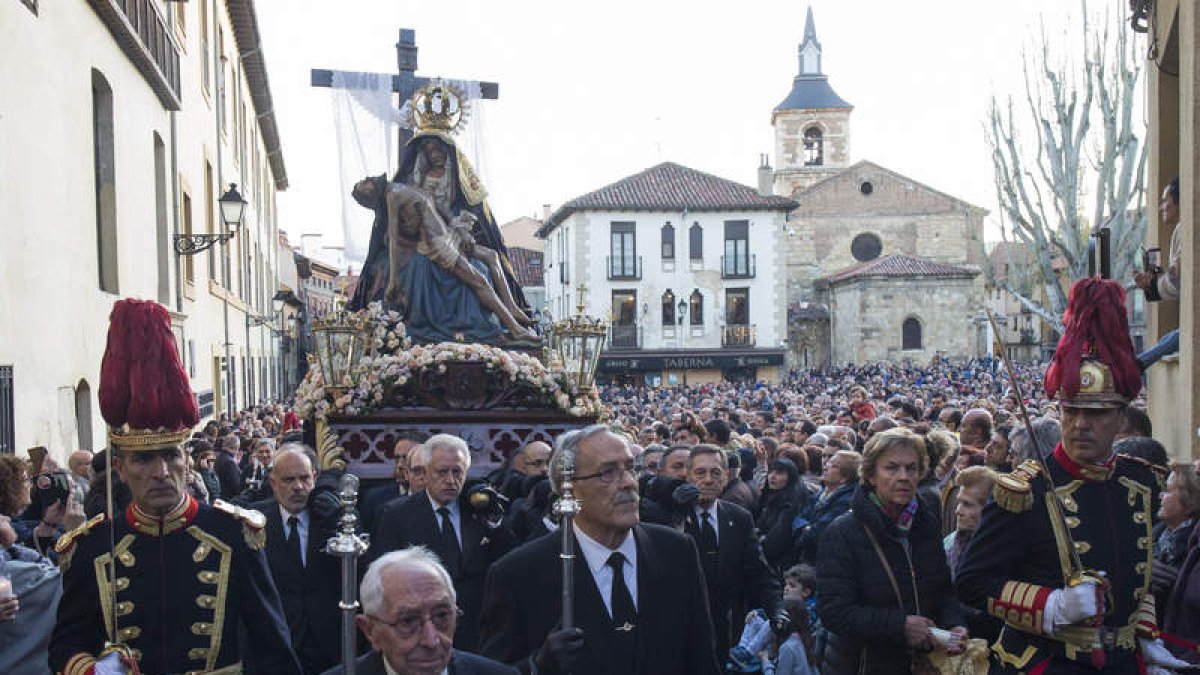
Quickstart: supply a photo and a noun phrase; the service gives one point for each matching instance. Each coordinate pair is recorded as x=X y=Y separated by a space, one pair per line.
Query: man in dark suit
x=226 y=467
x=409 y=617
x=306 y=577
x=640 y=603
x=402 y=486
x=735 y=570
x=463 y=539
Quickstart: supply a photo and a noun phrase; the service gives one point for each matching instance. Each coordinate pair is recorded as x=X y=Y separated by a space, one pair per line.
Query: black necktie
x=293 y=539
x=708 y=536
x=623 y=612
x=450 y=541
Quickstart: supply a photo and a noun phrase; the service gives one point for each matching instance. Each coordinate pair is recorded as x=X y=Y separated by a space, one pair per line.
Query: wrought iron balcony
x=737 y=266
x=1027 y=336
x=145 y=37
x=625 y=337
x=739 y=335
x=621 y=268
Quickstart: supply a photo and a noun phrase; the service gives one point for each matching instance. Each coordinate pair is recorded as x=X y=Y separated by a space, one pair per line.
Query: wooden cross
x=407 y=82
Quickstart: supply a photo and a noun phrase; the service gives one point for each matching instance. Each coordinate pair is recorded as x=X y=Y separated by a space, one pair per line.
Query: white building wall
x=53 y=315
x=589 y=247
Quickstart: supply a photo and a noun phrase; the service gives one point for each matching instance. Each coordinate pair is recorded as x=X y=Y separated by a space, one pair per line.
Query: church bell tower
x=812 y=125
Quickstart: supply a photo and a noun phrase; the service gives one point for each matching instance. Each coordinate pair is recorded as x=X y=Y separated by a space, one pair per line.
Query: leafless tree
x=1070 y=160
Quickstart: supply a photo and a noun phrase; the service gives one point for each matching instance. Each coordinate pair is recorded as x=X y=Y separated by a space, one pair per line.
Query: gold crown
x=128 y=438
x=439 y=107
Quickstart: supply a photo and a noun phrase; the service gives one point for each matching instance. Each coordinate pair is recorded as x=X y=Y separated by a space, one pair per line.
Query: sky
x=592 y=93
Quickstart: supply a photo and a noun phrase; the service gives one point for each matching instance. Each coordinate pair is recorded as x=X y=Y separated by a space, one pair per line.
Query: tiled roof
x=670 y=187
x=902 y=266
x=527 y=266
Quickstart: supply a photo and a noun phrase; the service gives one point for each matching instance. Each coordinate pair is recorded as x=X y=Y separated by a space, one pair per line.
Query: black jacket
x=744 y=580
x=461 y=663
x=856 y=600
x=309 y=591
x=522 y=605
x=405 y=522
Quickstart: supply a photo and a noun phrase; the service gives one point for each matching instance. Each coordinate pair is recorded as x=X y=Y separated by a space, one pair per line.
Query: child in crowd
x=800 y=582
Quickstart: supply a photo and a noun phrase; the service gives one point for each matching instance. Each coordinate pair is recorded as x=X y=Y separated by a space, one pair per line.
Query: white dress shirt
x=455 y=517
x=712 y=520
x=596 y=556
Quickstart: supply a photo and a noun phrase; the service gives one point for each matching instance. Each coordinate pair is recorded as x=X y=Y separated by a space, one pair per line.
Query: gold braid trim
x=222 y=582
x=253 y=523
x=65 y=546
x=80 y=664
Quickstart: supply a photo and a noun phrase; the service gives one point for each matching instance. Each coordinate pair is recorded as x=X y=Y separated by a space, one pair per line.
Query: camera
x=1152 y=263
x=483 y=499
x=50 y=488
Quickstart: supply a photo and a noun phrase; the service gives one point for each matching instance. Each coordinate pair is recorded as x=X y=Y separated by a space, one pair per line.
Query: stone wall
x=869 y=314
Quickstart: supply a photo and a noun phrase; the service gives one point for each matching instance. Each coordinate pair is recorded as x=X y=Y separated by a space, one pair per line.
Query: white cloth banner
x=365 y=120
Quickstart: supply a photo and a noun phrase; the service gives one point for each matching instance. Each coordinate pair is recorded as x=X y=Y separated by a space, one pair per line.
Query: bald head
x=976 y=429
x=533 y=459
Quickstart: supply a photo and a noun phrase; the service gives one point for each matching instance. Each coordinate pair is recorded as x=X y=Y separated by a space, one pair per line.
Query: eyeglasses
x=611 y=474
x=409 y=625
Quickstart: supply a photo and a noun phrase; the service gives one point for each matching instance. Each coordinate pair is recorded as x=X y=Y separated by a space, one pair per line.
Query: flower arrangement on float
x=394 y=361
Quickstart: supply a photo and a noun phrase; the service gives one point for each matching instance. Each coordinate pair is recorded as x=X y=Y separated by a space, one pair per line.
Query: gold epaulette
x=1013 y=491
x=253 y=522
x=65 y=546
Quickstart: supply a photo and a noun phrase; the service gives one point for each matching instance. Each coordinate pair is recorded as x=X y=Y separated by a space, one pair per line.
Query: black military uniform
x=164 y=584
x=183 y=585
x=1021 y=554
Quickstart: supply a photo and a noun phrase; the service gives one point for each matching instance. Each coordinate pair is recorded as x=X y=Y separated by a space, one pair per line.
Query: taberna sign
x=692 y=361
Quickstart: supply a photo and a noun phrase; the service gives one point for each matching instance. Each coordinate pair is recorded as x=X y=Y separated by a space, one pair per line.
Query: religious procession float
x=436 y=337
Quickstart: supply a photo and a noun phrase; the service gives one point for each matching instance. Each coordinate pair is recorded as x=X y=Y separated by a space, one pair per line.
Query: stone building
x=862 y=233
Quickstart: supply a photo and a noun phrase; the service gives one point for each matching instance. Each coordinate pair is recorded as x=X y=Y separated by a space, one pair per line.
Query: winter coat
x=819 y=516
x=778 y=510
x=856 y=600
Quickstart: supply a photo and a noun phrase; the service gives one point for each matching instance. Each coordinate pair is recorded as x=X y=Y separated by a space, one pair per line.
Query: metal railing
x=624 y=267
x=625 y=337
x=739 y=335
x=737 y=266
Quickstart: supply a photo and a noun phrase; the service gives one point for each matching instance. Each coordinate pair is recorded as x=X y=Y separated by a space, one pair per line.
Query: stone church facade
x=879 y=266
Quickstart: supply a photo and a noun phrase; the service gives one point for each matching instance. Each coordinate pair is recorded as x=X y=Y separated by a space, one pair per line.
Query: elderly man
x=80 y=464
x=530 y=460
x=306 y=577
x=436 y=518
x=375 y=498
x=640 y=601
x=1065 y=561
x=409 y=617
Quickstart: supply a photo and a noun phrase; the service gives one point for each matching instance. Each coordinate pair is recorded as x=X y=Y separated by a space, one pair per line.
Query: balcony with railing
x=624 y=268
x=737 y=266
x=624 y=337
x=140 y=29
x=739 y=335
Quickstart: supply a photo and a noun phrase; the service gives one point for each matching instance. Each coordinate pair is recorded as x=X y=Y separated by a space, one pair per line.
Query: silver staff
x=566 y=507
x=348 y=545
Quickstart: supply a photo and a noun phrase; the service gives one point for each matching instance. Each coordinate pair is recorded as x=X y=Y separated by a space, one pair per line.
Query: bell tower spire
x=810 y=49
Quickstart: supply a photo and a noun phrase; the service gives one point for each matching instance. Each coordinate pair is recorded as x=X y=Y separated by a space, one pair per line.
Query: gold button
x=206 y=601
x=125 y=607
x=122 y=583
x=130 y=632
x=207 y=576
x=201 y=628
x=197 y=654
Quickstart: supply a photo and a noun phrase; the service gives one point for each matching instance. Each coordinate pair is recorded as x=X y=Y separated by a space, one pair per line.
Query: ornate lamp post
x=577 y=342
x=341 y=342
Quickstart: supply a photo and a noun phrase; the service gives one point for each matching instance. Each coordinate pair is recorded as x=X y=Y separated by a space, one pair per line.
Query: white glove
x=1156 y=654
x=109 y=665
x=1066 y=606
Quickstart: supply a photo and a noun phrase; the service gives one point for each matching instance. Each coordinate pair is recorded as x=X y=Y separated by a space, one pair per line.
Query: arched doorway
x=83 y=415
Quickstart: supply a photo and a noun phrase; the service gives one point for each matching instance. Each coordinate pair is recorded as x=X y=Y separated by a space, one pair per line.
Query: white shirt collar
x=302 y=517
x=597 y=554
x=453 y=506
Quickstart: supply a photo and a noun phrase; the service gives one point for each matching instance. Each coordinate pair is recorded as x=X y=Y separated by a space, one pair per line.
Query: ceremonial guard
x=162 y=586
x=1063 y=552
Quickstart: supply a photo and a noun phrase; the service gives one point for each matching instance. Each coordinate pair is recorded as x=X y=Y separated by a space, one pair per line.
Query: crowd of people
x=875 y=519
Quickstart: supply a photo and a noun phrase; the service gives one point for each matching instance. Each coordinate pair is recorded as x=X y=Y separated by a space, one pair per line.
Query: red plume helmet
x=1094 y=365
x=145 y=396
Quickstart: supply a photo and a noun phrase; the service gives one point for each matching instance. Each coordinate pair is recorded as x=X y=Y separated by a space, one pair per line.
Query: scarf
x=904 y=519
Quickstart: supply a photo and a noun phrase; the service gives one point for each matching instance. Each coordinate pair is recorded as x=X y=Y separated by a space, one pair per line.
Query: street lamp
x=233 y=208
